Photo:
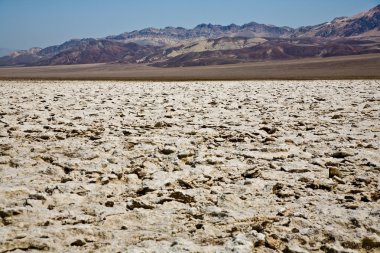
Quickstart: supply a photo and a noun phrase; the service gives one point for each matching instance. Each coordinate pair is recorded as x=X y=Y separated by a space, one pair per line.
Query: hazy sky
x=29 y=23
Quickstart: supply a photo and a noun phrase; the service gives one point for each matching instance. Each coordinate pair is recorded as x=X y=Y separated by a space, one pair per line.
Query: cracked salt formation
x=265 y=166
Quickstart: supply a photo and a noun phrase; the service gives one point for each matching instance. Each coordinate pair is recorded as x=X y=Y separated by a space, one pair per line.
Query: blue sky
x=28 y=23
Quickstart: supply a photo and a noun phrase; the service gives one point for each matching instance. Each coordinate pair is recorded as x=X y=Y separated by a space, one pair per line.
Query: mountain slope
x=214 y=44
x=6 y=51
x=274 y=49
x=21 y=57
x=363 y=24
x=170 y=36
x=97 y=51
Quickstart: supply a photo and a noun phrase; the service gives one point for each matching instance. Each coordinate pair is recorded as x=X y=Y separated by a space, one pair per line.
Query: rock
x=95 y=137
x=105 y=180
x=240 y=243
x=284 y=212
x=371 y=242
x=322 y=185
x=252 y=173
x=16 y=162
x=78 y=243
x=352 y=206
x=185 y=154
x=336 y=116
x=342 y=154
x=127 y=132
x=375 y=196
x=185 y=184
x=339 y=180
x=260 y=239
x=109 y=204
x=133 y=179
x=24 y=244
x=273 y=242
x=111 y=160
x=66 y=179
x=5 y=147
x=167 y=150
x=331 y=164
x=199 y=226
x=277 y=188
x=214 y=161
x=181 y=197
x=7 y=214
x=295 y=170
x=217 y=212
x=282 y=191
x=162 y=124
x=37 y=197
x=269 y=139
x=336 y=248
x=334 y=171
x=293 y=248
x=133 y=204
x=363 y=179
x=145 y=190
x=269 y=130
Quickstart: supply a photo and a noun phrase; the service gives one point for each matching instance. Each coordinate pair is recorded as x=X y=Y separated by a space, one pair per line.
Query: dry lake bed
x=240 y=166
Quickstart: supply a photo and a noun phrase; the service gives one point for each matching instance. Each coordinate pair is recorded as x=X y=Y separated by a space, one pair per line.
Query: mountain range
x=6 y=51
x=208 y=44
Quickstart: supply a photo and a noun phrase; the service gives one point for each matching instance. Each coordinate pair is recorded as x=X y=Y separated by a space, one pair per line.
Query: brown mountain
x=170 y=36
x=21 y=57
x=208 y=44
x=274 y=49
x=364 y=24
x=97 y=51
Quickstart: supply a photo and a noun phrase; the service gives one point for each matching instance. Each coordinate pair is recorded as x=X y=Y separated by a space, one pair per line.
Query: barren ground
x=331 y=68
x=241 y=166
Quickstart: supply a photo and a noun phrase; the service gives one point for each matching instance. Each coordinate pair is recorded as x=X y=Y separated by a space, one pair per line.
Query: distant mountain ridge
x=208 y=44
x=362 y=24
x=172 y=35
x=6 y=51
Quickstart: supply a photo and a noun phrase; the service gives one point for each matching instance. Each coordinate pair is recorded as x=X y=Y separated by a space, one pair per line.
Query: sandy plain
x=331 y=68
x=240 y=166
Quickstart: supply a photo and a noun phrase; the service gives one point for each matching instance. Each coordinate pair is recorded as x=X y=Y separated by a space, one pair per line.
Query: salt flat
x=240 y=166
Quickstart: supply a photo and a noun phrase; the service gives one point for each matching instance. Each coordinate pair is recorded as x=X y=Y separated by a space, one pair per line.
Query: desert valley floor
x=240 y=166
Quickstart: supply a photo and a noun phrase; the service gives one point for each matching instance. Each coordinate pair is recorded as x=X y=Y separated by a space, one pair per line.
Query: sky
x=41 y=23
